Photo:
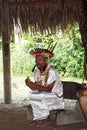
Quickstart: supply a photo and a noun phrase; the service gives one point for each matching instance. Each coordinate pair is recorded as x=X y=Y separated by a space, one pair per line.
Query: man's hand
x=38 y=86
x=27 y=81
x=39 y=82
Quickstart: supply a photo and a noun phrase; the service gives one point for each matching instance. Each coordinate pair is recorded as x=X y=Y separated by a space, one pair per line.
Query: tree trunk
x=83 y=31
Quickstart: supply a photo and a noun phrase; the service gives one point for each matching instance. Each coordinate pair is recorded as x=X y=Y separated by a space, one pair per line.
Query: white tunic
x=43 y=102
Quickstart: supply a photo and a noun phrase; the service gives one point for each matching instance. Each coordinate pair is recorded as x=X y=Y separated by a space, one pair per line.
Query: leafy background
x=68 y=59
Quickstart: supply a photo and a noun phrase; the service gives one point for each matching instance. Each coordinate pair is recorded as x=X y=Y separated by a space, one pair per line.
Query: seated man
x=47 y=90
x=82 y=94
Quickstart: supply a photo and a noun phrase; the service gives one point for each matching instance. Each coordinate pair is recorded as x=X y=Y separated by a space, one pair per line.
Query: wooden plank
x=34 y=4
x=6 y=50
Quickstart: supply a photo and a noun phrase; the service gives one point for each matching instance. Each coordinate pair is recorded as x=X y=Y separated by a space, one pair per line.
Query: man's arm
x=35 y=86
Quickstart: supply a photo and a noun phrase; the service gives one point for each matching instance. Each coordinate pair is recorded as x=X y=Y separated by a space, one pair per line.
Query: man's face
x=41 y=61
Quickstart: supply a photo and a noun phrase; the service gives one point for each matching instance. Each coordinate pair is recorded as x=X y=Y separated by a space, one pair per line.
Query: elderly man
x=47 y=90
x=82 y=95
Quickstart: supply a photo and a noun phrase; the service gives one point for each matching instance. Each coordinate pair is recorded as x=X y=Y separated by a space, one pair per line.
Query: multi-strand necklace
x=43 y=75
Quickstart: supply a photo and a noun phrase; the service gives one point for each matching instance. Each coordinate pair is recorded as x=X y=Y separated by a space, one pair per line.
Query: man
x=47 y=90
x=82 y=95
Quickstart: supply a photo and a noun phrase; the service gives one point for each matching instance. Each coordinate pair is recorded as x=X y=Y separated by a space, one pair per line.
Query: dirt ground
x=15 y=117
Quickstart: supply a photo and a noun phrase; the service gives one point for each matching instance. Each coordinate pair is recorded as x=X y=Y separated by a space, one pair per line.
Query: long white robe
x=43 y=102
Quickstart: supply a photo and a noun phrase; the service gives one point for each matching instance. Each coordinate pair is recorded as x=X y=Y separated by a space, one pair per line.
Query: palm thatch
x=43 y=14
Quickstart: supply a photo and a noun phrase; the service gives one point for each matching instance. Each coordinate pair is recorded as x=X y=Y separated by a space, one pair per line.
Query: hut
x=43 y=15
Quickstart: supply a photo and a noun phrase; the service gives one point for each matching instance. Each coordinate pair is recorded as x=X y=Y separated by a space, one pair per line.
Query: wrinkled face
x=41 y=61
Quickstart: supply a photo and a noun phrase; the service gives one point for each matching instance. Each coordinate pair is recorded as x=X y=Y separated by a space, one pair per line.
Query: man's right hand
x=27 y=80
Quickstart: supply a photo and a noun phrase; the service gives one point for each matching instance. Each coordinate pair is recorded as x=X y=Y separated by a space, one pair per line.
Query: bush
x=69 y=53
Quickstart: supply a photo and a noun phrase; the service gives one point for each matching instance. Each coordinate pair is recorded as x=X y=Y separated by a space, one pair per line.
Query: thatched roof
x=43 y=14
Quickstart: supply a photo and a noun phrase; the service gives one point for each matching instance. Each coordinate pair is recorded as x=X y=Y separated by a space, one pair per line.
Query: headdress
x=46 y=52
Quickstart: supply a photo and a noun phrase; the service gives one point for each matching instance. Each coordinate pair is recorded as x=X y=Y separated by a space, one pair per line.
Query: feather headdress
x=46 y=52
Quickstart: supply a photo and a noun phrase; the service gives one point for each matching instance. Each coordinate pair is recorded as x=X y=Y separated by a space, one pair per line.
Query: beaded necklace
x=43 y=76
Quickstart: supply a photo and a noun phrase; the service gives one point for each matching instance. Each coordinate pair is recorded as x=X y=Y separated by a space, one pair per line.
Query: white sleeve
x=58 y=87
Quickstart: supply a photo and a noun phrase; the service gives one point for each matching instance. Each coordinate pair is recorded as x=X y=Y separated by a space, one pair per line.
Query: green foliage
x=68 y=58
x=21 y=62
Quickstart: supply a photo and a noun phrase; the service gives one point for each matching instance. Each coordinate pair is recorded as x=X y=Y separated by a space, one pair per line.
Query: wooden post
x=6 y=50
x=83 y=31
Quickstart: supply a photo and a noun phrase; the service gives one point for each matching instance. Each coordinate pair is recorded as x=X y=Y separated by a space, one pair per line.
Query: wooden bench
x=69 y=116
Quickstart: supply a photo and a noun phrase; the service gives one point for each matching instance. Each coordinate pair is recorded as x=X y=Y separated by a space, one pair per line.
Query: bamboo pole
x=6 y=50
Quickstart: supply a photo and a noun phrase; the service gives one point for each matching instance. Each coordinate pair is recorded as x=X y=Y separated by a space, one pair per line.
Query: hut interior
x=34 y=15
x=42 y=15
